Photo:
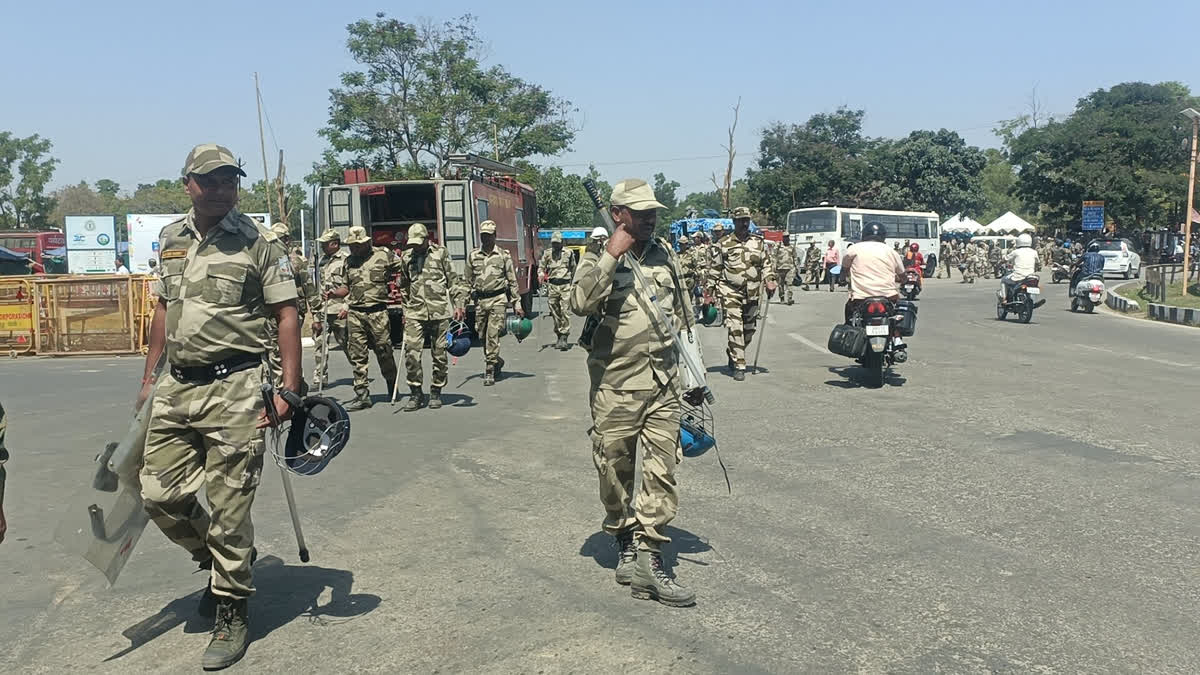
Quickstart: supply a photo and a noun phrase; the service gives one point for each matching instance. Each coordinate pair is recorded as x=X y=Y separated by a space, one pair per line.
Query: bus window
x=851 y=226
x=811 y=222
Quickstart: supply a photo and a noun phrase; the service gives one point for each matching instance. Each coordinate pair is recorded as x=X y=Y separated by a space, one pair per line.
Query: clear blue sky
x=124 y=89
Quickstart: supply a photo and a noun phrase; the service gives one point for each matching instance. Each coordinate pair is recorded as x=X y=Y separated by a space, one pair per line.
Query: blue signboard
x=1093 y=216
x=567 y=234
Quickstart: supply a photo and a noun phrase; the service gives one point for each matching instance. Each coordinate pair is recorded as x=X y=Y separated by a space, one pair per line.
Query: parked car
x=1120 y=257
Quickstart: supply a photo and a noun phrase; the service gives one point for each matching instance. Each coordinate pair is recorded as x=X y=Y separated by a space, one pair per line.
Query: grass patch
x=1175 y=295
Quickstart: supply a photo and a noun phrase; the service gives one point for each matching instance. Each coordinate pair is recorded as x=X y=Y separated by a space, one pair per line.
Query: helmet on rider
x=873 y=231
x=1024 y=240
x=1093 y=247
x=914 y=247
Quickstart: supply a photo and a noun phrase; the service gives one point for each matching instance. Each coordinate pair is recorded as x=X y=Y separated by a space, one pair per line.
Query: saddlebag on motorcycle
x=846 y=340
x=907 y=311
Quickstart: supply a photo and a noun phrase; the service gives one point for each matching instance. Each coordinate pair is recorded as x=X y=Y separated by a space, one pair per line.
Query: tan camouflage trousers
x=489 y=319
x=203 y=435
x=620 y=419
x=337 y=330
x=814 y=275
x=559 y=296
x=274 y=360
x=368 y=332
x=415 y=331
x=741 y=322
x=785 y=284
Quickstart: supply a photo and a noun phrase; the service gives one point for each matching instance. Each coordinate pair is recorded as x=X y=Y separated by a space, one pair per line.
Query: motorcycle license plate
x=1095 y=297
x=1034 y=290
x=877 y=330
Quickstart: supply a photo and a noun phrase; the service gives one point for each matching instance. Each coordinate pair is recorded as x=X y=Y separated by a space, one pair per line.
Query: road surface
x=1016 y=498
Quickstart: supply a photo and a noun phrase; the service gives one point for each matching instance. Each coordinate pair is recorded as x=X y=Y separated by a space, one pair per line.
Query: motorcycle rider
x=873 y=268
x=1024 y=262
x=1091 y=263
x=914 y=260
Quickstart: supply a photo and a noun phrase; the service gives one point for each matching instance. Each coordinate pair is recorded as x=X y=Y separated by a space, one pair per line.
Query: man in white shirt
x=1024 y=261
x=121 y=268
x=874 y=268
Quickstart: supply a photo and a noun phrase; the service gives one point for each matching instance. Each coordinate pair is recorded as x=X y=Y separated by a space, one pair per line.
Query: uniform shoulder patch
x=173 y=253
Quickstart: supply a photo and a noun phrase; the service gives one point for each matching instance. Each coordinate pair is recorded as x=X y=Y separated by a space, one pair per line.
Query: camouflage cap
x=719 y=226
x=487 y=227
x=208 y=157
x=281 y=230
x=683 y=239
x=741 y=212
x=635 y=194
x=357 y=235
x=329 y=235
x=417 y=234
x=556 y=236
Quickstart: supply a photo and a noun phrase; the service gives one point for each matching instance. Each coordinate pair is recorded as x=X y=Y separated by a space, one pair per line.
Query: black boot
x=414 y=400
x=498 y=366
x=361 y=403
x=230 y=635
x=435 y=398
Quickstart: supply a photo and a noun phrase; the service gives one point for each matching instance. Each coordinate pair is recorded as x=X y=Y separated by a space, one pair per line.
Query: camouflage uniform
x=812 y=265
x=367 y=325
x=492 y=280
x=967 y=261
x=785 y=263
x=333 y=276
x=740 y=270
x=306 y=296
x=431 y=294
x=994 y=259
x=559 y=270
x=689 y=265
x=202 y=430
x=3 y=459
x=944 y=254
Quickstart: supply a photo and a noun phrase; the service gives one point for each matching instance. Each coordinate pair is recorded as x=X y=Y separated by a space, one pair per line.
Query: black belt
x=560 y=282
x=215 y=371
x=482 y=295
x=367 y=309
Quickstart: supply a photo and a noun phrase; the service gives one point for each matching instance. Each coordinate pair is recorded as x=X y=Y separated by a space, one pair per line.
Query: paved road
x=1017 y=498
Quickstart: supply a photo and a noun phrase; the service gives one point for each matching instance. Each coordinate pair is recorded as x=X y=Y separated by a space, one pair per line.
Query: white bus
x=844 y=224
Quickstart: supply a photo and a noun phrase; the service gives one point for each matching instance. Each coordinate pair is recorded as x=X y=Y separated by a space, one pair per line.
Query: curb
x=1172 y=314
x=1121 y=304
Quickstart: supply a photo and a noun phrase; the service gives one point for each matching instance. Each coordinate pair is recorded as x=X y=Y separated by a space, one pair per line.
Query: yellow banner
x=19 y=318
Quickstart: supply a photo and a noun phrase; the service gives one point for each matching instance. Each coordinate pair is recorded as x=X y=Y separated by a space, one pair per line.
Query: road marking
x=552 y=387
x=808 y=343
x=1140 y=357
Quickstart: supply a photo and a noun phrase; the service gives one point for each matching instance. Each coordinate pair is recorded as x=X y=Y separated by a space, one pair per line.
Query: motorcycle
x=1088 y=293
x=875 y=335
x=1059 y=273
x=1024 y=299
x=910 y=288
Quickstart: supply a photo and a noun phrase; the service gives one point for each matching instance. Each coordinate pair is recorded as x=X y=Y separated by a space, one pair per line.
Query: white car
x=1120 y=257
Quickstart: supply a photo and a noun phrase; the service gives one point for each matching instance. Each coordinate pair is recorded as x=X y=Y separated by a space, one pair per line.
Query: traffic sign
x=1093 y=216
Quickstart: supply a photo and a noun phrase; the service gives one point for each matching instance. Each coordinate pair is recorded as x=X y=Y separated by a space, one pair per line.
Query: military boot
x=435 y=398
x=496 y=369
x=562 y=343
x=626 y=557
x=230 y=635
x=489 y=376
x=207 y=607
x=739 y=375
x=360 y=403
x=652 y=582
x=414 y=400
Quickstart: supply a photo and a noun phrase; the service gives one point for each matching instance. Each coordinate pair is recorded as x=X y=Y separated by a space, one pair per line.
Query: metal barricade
x=17 y=327
x=88 y=315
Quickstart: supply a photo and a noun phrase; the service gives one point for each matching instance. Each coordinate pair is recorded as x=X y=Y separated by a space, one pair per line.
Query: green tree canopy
x=25 y=169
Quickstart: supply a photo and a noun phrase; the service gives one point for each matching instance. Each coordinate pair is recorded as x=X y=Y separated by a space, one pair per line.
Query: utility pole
x=1194 y=115
x=262 y=145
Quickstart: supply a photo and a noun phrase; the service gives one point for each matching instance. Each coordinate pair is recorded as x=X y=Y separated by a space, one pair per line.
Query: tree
x=107 y=187
x=423 y=93
x=1127 y=145
x=928 y=171
x=999 y=182
x=25 y=169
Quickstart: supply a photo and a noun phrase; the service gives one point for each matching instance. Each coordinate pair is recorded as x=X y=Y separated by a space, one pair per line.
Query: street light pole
x=1194 y=115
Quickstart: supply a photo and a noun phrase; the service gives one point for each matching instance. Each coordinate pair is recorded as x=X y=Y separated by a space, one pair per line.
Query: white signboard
x=91 y=262
x=143 y=236
x=91 y=233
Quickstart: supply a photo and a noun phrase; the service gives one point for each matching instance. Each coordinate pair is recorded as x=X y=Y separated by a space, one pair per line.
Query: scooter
x=911 y=286
x=1088 y=293
x=1024 y=299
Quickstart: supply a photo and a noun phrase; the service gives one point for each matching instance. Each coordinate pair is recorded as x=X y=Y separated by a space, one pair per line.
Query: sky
x=124 y=89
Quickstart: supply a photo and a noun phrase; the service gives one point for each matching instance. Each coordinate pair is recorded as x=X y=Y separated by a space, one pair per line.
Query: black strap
x=367 y=309
x=483 y=295
x=215 y=371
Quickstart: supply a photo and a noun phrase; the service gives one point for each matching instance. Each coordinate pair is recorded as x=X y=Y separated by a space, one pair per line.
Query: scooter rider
x=1023 y=261
x=1091 y=263
x=873 y=268
x=915 y=260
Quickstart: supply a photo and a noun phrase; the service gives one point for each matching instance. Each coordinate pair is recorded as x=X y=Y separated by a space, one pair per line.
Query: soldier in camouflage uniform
x=222 y=278
x=741 y=267
x=306 y=294
x=557 y=268
x=943 y=260
x=967 y=262
x=995 y=257
x=635 y=391
x=368 y=269
x=333 y=283
x=812 y=266
x=785 y=264
x=3 y=474
x=432 y=294
x=492 y=280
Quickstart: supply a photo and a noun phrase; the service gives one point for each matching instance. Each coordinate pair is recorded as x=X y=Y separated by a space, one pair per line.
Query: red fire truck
x=451 y=207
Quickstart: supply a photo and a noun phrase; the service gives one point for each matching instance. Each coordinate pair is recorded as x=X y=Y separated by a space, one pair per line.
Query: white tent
x=957 y=223
x=1009 y=223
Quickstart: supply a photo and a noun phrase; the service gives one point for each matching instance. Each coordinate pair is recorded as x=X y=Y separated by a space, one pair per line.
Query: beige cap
x=635 y=194
x=487 y=227
x=719 y=226
x=279 y=229
x=208 y=157
x=357 y=235
x=329 y=235
x=683 y=239
x=417 y=234
x=556 y=236
x=741 y=212
x=599 y=233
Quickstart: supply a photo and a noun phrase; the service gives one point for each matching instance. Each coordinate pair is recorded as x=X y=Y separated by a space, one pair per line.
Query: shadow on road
x=458 y=400
x=504 y=375
x=284 y=593
x=858 y=376
x=602 y=547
